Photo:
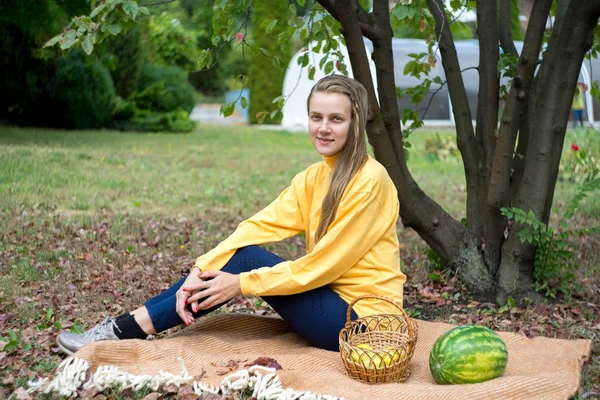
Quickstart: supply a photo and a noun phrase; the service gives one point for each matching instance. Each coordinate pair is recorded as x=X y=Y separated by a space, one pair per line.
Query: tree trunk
x=549 y=111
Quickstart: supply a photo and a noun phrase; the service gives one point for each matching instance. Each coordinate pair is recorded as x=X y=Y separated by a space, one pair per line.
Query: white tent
x=434 y=109
x=297 y=86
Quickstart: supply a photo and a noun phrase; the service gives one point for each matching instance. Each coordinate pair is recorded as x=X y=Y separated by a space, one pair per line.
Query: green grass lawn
x=218 y=168
x=95 y=222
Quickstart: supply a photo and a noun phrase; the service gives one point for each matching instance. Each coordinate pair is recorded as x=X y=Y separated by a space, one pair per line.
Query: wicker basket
x=377 y=348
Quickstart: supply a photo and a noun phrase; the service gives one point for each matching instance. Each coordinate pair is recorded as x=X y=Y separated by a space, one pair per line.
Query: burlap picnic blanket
x=538 y=368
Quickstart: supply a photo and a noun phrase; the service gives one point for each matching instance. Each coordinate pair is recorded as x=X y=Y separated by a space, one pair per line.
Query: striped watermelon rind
x=467 y=354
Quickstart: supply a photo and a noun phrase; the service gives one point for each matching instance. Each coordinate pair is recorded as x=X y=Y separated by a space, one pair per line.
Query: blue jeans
x=577 y=117
x=318 y=315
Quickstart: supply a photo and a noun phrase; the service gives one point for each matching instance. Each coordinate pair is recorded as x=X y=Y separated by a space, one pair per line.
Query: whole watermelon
x=467 y=354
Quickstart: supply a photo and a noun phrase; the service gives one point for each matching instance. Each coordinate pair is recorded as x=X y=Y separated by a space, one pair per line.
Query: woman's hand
x=184 y=293
x=215 y=288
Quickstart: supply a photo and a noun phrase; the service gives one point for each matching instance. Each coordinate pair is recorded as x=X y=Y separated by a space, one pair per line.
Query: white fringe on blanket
x=262 y=381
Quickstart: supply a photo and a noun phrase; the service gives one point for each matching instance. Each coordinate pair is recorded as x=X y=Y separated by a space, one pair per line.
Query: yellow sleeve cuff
x=246 y=284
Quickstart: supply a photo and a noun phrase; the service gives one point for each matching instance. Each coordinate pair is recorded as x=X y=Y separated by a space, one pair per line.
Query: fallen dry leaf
x=153 y=396
x=185 y=389
x=88 y=394
x=6 y=318
x=222 y=371
x=265 y=362
x=21 y=394
x=170 y=388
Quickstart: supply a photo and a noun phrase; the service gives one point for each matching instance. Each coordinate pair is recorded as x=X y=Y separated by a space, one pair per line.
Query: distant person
x=347 y=207
x=578 y=103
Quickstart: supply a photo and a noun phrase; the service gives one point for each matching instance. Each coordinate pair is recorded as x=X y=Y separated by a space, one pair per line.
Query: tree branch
x=506 y=40
x=465 y=136
x=592 y=9
x=515 y=110
x=578 y=38
x=365 y=21
x=487 y=97
x=383 y=57
x=156 y=3
x=484 y=222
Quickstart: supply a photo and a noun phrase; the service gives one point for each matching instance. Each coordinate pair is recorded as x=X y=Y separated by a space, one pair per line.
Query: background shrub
x=84 y=91
x=130 y=118
x=171 y=43
x=27 y=68
x=165 y=89
x=163 y=102
x=125 y=55
x=265 y=80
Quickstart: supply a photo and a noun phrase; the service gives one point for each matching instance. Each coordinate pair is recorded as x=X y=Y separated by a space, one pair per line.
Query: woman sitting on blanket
x=347 y=207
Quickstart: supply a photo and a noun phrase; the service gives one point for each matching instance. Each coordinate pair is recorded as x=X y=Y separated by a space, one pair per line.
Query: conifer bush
x=84 y=92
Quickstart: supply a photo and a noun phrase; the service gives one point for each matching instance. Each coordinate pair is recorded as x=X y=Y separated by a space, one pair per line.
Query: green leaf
x=455 y=4
x=311 y=72
x=97 y=10
x=279 y=100
x=264 y=23
x=328 y=67
x=53 y=41
x=87 y=44
x=203 y=60
x=401 y=12
x=322 y=61
x=303 y=61
x=71 y=34
x=84 y=22
x=227 y=109
x=67 y=44
x=13 y=344
x=115 y=28
x=510 y=302
x=244 y=102
x=301 y=3
x=260 y=116
x=131 y=8
x=144 y=10
x=271 y=26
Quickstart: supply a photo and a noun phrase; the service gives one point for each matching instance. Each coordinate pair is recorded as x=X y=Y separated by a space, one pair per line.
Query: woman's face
x=329 y=118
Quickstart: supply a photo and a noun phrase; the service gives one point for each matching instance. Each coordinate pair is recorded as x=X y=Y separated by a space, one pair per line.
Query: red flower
x=239 y=36
x=574 y=147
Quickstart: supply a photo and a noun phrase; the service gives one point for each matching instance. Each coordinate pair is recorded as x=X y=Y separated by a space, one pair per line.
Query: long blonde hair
x=354 y=153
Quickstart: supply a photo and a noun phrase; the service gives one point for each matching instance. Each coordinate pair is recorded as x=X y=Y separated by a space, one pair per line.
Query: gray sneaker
x=71 y=342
